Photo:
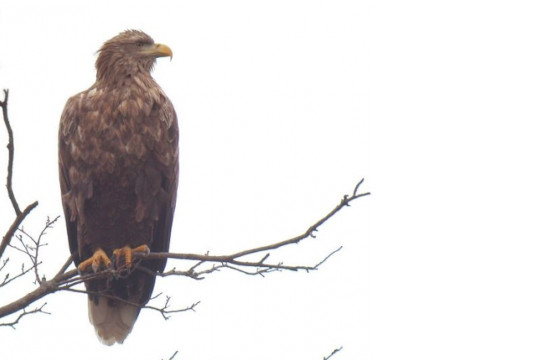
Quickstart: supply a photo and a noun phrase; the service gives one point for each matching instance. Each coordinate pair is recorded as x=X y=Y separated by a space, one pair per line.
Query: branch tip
x=357 y=187
x=333 y=353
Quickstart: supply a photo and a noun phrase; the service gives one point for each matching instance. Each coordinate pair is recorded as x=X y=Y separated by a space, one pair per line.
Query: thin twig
x=14 y=226
x=8 y=279
x=32 y=249
x=173 y=355
x=163 y=310
x=25 y=313
x=4 y=263
x=11 y=151
x=333 y=353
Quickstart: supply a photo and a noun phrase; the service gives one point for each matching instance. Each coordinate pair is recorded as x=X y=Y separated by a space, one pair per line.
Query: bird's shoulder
x=80 y=108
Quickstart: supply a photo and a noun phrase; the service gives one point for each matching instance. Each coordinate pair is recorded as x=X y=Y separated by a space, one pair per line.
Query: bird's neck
x=126 y=78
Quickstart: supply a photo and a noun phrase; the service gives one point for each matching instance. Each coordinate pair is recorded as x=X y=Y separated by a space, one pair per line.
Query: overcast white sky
x=283 y=106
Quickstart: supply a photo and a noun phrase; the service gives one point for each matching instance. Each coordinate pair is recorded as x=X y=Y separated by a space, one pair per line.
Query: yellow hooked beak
x=158 y=50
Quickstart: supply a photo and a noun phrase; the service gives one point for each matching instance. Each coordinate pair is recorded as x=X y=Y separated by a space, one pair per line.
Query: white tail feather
x=112 y=322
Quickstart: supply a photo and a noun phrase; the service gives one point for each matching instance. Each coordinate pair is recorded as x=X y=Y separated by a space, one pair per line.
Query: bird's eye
x=140 y=44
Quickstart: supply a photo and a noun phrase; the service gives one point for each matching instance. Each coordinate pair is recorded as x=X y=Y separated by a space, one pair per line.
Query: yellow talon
x=127 y=253
x=142 y=248
x=99 y=257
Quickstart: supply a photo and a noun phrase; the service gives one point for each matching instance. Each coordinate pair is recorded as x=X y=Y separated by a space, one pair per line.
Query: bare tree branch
x=46 y=288
x=65 y=280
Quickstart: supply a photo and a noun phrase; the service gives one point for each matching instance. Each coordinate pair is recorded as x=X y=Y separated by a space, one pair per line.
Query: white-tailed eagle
x=118 y=156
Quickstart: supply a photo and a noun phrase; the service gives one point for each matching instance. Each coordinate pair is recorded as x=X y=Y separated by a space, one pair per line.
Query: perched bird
x=118 y=159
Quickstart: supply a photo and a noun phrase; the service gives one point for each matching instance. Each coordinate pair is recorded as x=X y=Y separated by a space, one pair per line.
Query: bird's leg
x=96 y=260
x=127 y=253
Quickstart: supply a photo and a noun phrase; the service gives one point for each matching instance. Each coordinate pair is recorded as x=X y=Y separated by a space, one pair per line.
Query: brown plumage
x=118 y=156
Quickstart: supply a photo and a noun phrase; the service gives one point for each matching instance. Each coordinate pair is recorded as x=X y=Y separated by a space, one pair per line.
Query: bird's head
x=127 y=54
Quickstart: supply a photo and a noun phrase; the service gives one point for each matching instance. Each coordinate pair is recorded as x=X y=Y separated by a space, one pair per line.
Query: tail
x=113 y=320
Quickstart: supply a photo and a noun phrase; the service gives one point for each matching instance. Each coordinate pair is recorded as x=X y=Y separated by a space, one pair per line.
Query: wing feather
x=68 y=123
